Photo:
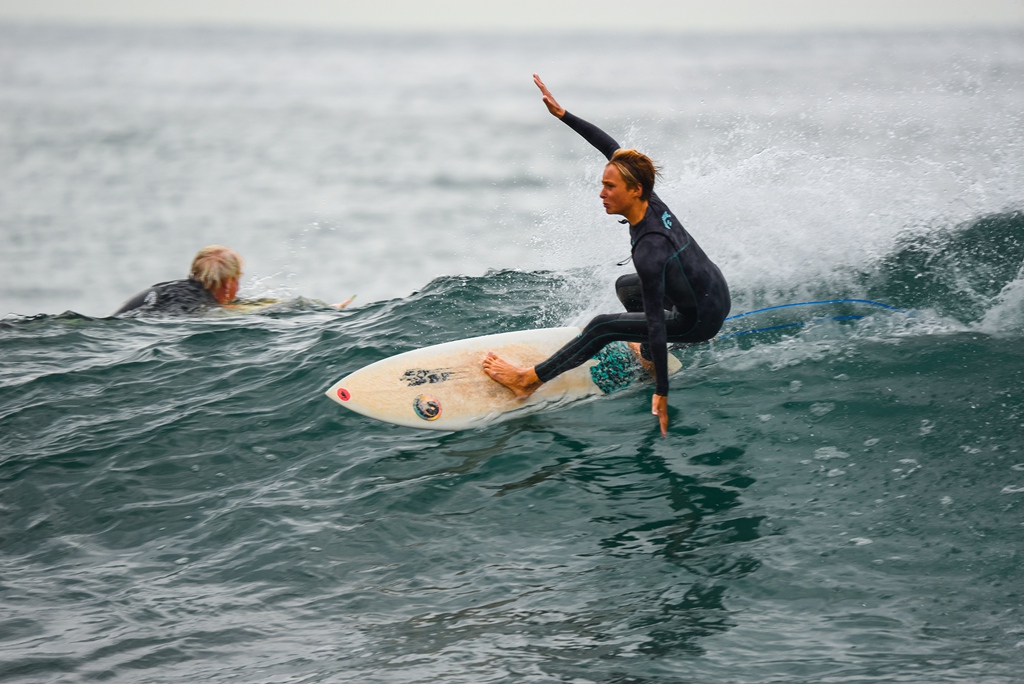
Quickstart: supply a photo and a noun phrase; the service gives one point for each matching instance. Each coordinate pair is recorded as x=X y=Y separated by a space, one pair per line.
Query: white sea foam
x=1007 y=312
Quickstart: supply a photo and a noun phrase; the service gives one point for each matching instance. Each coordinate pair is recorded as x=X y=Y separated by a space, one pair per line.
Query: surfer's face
x=227 y=291
x=616 y=196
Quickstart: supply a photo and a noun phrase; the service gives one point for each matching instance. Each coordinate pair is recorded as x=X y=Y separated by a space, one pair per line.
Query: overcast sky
x=534 y=15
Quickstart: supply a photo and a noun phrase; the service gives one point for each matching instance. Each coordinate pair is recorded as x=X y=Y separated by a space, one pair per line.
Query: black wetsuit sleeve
x=173 y=298
x=134 y=303
x=604 y=143
x=649 y=258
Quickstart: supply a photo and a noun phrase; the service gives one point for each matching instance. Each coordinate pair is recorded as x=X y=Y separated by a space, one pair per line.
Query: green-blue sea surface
x=840 y=497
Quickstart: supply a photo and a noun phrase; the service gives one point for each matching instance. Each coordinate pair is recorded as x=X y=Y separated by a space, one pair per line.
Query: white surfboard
x=444 y=387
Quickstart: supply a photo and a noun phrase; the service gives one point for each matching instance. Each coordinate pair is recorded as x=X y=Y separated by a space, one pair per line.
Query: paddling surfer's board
x=444 y=387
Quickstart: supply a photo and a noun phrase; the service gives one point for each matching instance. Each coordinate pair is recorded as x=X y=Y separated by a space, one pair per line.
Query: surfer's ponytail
x=637 y=169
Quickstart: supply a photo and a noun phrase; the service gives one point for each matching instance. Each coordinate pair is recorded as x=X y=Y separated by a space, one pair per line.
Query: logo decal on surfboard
x=421 y=376
x=343 y=394
x=427 y=408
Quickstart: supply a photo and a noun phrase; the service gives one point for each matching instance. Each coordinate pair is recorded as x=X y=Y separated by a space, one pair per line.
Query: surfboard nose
x=339 y=393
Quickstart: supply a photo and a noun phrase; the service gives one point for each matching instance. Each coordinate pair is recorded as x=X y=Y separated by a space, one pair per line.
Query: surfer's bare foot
x=648 y=365
x=521 y=381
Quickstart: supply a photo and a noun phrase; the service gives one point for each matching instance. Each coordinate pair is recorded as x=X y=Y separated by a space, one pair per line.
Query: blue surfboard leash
x=820 y=301
x=801 y=323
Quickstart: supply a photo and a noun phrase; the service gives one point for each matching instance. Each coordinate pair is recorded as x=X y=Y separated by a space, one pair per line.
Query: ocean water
x=837 y=501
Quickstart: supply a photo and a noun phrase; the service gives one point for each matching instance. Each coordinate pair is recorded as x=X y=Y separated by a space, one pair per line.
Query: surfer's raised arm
x=604 y=143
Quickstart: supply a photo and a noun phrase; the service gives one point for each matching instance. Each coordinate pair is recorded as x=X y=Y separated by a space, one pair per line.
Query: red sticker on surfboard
x=343 y=394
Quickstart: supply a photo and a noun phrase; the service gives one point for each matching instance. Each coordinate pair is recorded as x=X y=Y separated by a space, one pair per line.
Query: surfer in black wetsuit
x=212 y=282
x=676 y=295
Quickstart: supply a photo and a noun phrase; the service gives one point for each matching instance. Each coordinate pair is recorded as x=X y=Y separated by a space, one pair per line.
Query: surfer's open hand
x=549 y=99
x=659 y=407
